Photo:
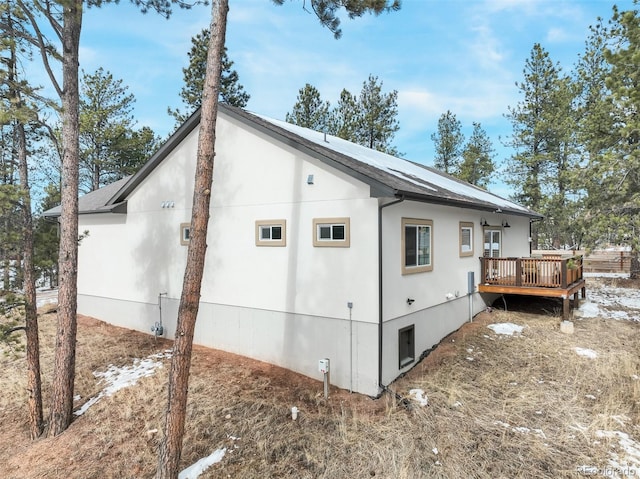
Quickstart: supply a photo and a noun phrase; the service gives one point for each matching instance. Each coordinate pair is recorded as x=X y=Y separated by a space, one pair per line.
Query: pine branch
x=41 y=43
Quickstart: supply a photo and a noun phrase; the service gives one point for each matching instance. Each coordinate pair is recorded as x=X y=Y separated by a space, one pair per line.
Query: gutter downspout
x=380 y=318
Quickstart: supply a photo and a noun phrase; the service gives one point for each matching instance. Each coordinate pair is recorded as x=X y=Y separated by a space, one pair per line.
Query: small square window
x=406 y=346
x=185 y=233
x=331 y=232
x=324 y=232
x=337 y=232
x=466 y=239
x=271 y=233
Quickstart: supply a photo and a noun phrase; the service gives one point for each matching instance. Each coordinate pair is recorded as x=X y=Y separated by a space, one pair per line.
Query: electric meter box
x=323 y=365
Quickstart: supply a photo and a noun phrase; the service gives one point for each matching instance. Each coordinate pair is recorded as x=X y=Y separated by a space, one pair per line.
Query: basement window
x=185 y=233
x=406 y=347
x=331 y=232
x=271 y=233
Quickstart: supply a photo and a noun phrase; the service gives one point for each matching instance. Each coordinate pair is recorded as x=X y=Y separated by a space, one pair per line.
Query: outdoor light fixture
x=505 y=224
x=483 y=222
x=310 y=179
x=410 y=301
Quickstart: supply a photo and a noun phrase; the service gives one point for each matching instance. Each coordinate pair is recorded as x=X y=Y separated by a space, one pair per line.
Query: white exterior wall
x=432 y=314
x=285 y=305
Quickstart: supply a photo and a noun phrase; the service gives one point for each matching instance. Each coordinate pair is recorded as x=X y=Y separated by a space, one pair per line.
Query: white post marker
x=323 y=367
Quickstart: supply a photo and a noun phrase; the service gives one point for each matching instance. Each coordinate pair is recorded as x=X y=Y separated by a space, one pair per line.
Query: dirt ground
x=476 y=383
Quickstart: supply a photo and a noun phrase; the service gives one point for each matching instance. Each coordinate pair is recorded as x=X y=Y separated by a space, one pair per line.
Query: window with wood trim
x=466 y=238
x=331 y=232
x=492 y=243
x=417 y=245
x=271 y=233
x=185 y=233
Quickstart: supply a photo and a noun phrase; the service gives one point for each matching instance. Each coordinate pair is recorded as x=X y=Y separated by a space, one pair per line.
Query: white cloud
x=485 y=48
x=557 y=35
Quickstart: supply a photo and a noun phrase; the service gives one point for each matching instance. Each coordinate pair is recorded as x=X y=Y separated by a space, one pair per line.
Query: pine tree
x=326 y=10
x=309 y=110
x=9 y=211
x=595 y=122
x=542 y=127
x=171 y=446
x=345 y=117
x=46 y=242
x=18 y=110
x=231 y=91
x=110 y=147
x=615 y=205
x=594 y=105
x=448 y=141
x=560 y=203
x=370 y=119
x=477 y=164
x=378 y=124
x=64 y=19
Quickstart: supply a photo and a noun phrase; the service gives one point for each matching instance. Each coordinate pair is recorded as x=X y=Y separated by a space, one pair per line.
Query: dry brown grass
x=533 y=381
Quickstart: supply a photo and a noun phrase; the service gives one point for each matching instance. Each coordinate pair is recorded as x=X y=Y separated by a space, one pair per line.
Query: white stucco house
x=317 y=248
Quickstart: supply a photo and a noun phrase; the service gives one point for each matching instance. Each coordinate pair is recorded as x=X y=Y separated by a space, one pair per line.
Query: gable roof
x=387 y=176
x=97 y=201
x=405 y=178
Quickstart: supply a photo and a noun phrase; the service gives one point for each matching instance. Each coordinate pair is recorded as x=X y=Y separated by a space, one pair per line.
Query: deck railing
x=553 y=272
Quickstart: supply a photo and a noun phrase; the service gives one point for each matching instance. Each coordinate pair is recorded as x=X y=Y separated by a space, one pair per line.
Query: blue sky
x=463 y=56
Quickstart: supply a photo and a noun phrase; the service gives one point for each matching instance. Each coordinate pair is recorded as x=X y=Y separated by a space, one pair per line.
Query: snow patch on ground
x=194 y=470
x=508 y=329
x=624 y=452
x=588 y=310
x=117 y=378
x=419 y=396
x=48 y=296
x=587 y=353
x=605 y=275
x=521 y=429
x=606 y=302
x=625 y=458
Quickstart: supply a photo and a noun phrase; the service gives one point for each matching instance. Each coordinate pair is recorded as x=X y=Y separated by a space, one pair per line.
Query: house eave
x=118 y=208
x=412 y=196
x=369 y=175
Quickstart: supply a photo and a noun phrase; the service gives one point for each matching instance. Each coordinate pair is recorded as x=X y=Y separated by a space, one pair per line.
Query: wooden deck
x=553 y=277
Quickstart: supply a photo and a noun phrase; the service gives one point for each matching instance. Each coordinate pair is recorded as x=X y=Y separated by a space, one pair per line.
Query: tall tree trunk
x=18 y=273
x=6 y=264
x=95 y=177
x=31 y=315
x=65 y=348
x=34 y=383
x=634 y=268
x=171 y=446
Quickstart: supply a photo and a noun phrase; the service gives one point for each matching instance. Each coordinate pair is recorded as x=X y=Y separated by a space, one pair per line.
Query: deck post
x=483 y=270
x=566 y=308
x=519 y=272
x=563 y=273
